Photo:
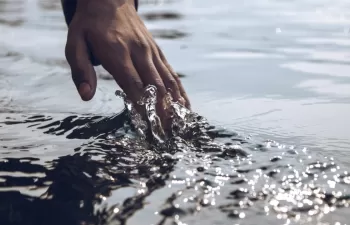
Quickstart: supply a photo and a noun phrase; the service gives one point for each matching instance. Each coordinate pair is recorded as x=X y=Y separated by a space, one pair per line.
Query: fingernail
x=84 y=91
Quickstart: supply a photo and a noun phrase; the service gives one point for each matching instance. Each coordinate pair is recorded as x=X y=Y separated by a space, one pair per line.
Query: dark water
x=271 y=77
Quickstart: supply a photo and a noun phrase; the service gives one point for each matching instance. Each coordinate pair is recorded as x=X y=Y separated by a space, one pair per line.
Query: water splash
x=139 y=125
x=149 y=101
x=189 y=131
x=199 y=169
x=184 y=123
x=268 y=182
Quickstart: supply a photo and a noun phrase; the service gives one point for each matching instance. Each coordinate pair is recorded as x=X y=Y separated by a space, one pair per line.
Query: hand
x=114 y=34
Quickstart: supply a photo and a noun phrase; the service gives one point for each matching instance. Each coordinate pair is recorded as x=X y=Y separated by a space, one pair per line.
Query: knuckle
x=143 y=47
x=117 y=40
x=142 y=44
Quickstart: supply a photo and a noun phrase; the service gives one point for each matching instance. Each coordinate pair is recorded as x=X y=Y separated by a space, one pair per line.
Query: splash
x=149 y=101
x=139 y=125
x=199 y=169
x=184 y=123
x=188 y=130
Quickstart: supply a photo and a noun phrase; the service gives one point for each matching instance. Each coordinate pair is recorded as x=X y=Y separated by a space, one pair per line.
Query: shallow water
x=263 y=70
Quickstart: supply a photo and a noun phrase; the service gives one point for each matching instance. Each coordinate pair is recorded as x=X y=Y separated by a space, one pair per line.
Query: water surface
x=274 y=74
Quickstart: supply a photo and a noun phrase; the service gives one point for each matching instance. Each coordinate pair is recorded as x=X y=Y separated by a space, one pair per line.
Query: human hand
x=110 y=33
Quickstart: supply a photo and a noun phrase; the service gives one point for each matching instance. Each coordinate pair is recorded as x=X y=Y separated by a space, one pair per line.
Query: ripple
x=326 y=41
x=168 y=33
x=242 y=55
x=333 y=70
x=328 y=87
x=59 y=167
x=211 y=172
x=161 y=16
x=50 y=5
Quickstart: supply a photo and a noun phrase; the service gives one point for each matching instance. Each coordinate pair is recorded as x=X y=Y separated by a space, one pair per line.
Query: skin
x=110 y=33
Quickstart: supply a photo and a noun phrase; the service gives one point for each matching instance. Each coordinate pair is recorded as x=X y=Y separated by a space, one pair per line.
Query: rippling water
x=271 y=77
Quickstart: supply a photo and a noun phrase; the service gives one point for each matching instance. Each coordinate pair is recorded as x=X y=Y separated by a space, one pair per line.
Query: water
x=269 y=76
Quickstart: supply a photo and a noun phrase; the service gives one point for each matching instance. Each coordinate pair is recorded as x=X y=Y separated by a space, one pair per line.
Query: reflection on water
x=76 y=184
x=275 y=69
x=110 y=182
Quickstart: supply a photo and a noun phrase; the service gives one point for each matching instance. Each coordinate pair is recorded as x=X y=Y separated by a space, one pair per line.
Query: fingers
x=154 y=69
x=178 y=90
x=168 y=80
x=182 y=90
x=83 y=73
x=149 y=74
x=115 y=58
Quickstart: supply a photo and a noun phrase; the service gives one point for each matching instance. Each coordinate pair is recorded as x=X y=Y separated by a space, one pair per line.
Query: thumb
x=83 y=73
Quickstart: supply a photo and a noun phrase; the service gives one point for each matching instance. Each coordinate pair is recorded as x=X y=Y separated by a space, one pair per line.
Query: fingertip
x=82 y=70
x=85 y=91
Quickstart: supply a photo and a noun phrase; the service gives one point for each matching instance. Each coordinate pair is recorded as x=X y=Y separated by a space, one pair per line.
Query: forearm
x=69 y=7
